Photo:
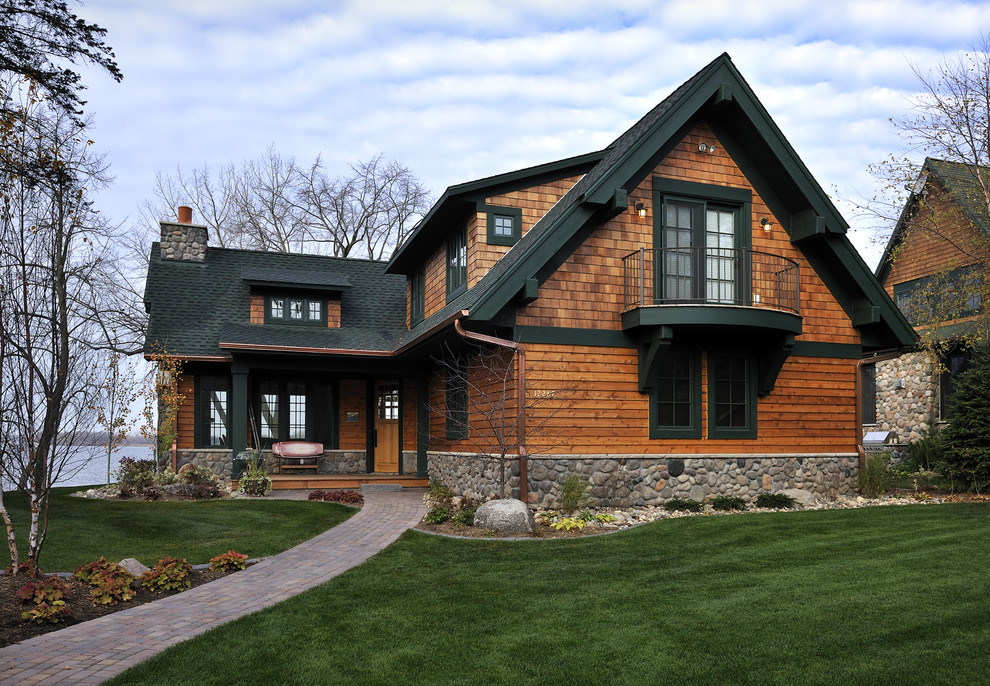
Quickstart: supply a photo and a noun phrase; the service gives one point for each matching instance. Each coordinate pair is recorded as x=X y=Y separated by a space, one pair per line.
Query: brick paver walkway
x=91 y=652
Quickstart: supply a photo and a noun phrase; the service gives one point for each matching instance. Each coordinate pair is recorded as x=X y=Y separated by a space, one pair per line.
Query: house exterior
x=934 y=267
x=678 y=315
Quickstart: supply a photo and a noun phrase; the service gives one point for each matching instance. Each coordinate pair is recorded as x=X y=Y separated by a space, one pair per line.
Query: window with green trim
x=731 y=396
x=417 y=297
x=457 y=263
x=953 y=364
x=282 y=309
x=294 y=410
x=675 y=403
x=504 y=225
x=214 y=411
x=868 y=391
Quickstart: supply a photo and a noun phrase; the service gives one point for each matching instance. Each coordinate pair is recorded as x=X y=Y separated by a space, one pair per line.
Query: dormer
x=294 y=297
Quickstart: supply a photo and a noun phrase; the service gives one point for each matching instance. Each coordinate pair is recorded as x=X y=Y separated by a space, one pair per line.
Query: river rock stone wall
x=907 y=394
x=342 y=462
x=217 y=461
x=183 y=241
x=651 y=480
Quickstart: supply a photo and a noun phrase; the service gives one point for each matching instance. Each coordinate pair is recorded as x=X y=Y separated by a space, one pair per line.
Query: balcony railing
x=711 y=276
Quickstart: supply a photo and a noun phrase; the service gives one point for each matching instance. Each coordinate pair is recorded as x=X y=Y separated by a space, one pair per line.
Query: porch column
x=422 y=425
x=238 y=408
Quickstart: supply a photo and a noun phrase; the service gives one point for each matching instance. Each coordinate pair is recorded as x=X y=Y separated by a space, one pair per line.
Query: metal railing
x=713 y=276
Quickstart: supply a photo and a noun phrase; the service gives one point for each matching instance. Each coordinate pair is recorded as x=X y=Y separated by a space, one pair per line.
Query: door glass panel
x=388 y=401
x=720 y=256
x=297 y=411
x=677 y=257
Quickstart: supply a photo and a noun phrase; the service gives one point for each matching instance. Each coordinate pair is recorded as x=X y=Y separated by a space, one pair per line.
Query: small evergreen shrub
x=727 y=502
x=193 y=474
x=439 y=514
x=135 y=475
x=967 y=437
x=875 y=478
x=229 y=561
x=776 y=501
x=168 y=574
x=683 y=505
x=572 y=492
x=926 y=452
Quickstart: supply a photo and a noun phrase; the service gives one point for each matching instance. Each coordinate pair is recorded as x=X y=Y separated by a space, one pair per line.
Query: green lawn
x=80 y=530
x=895 y=595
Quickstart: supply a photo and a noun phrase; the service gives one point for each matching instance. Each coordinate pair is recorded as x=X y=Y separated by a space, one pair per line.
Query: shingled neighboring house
x=935 y=269
x=688 y=295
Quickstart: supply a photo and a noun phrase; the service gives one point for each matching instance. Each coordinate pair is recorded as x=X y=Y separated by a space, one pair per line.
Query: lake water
x=88 y=467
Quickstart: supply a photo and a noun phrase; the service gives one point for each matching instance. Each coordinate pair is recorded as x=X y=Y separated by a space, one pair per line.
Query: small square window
x=295 y=309
x=277 y=308
x=315 y=311
x=504 y=225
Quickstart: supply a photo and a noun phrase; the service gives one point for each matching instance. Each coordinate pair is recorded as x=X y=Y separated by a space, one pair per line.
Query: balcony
x=711 y=287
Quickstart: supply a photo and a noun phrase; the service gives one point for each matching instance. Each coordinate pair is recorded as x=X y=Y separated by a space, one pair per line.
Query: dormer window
x=282 y=309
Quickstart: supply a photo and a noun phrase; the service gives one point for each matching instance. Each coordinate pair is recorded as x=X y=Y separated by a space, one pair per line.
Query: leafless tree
x=475 y=395
x=53 y=248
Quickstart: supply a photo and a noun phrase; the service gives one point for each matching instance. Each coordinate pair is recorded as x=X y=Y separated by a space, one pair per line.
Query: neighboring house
x=687 y=297
x=935 y=269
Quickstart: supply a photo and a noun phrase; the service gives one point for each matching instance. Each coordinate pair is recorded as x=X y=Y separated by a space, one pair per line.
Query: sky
x=460 y=90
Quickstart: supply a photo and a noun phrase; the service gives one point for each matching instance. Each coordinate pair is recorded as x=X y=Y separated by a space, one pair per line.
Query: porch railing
x=713 y=276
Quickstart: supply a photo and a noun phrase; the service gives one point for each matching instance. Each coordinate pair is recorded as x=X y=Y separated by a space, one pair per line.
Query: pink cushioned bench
x=297 y=454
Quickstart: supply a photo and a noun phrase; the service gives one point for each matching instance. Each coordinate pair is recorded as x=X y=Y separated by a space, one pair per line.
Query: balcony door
x=699 y=259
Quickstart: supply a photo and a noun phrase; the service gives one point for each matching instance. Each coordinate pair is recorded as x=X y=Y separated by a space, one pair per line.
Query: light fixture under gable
x=765 y=223
x=641 y=210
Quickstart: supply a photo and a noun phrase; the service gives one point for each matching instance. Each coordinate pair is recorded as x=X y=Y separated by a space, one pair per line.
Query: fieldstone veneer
x=905 y=410
x=180 y=241
x=651 y=480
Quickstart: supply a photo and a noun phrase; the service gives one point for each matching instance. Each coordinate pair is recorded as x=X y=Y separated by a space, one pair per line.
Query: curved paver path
x=93 y=651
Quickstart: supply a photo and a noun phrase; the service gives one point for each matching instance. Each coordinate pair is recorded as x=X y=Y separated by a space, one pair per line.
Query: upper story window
x=941 y=297
x=504 y=225
x=417 y=297
x=457 y=263
x=281 y=309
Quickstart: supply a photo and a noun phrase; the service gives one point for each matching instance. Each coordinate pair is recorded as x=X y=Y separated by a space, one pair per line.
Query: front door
x=387 y=427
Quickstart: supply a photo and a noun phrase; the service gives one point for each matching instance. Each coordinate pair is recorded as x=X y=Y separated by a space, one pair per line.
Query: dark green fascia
x=702 y=191
x=456 y=198
x=834 y=351
x=728 y=317
x=560 y=335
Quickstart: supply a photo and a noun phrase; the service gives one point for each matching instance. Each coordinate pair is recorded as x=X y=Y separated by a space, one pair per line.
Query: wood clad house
x=679 y=314
x=935 y=269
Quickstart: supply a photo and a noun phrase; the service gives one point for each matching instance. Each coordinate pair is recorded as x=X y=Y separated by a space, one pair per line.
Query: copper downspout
x=521 y=388
x=860 y=450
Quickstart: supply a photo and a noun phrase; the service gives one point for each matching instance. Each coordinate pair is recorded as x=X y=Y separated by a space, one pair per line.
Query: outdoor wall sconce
x=641 y=210
x=704 y=147
x=765 y=223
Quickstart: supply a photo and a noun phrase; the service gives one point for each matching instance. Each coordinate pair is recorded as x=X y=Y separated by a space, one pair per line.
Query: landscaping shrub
x=685 y=505
x=465 y=515
x=439 y=514
x=168 y=574
x=87 y=571
x=966 y=453
x=135 y=475
x=255 y=481
x=438 y=491
x=926 y=452
x=572 y=492
x=316 y=495
x=229 y=561
x=727 y=502
x=777 y=501
x=875 y=477
x=110 y=582
x=347 y=497
x=193 y=475
x=44 y=590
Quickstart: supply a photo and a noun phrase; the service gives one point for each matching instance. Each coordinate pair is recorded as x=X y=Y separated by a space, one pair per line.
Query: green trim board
x=553 y=335
x=833 y=351
x=721 y=317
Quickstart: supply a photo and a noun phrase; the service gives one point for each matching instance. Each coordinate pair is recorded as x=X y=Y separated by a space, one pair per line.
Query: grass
x=80 y=530
x=870 y=596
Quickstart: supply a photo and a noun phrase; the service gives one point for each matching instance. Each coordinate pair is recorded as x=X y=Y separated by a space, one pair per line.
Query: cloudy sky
x=462 y=89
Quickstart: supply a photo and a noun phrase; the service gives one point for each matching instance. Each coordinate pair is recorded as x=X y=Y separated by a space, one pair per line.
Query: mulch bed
x=542 y=531
x=13 y=629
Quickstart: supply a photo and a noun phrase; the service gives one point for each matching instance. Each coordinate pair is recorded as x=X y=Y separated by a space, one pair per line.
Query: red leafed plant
x=228 y=561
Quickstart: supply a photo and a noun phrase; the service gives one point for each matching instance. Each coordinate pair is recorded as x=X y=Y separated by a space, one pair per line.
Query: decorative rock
x=802 y=497
x=697 y=492
x=505 y=516
x=133 y=566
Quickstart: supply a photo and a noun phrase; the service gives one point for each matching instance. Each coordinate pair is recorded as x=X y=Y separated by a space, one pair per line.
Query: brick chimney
x=183 y=240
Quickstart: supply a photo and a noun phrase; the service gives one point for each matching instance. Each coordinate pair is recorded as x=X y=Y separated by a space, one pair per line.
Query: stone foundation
x=217 y=461
x=651 y=480
x=342 y=462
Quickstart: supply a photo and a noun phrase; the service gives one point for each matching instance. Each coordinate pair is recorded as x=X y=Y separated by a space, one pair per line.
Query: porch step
x=381 y=487
x=330 y=481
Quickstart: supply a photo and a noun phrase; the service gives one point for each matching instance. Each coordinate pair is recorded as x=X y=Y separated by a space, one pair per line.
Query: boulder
x=802 y=497
x=505 y=516
x=133 y=566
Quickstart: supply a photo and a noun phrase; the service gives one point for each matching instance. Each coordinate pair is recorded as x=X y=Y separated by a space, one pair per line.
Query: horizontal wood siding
x=186 y=418
x=353 y=397
x=587 y=290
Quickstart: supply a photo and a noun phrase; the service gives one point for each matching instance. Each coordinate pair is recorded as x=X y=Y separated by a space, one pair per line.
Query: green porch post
x=238 y=412
x=422 y=425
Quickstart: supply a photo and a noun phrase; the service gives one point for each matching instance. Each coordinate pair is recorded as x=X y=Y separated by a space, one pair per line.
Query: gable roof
x=718 y=94
x=959 y=181
x=201 y=309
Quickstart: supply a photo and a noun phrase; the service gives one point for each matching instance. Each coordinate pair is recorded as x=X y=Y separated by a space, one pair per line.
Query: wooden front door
x=387 y=427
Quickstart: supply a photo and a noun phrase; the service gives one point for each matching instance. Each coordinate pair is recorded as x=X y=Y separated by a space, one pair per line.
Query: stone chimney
x=183 y=240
